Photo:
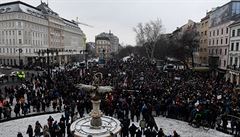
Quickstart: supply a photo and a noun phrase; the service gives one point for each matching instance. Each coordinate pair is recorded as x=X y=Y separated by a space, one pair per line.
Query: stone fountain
x=96 y=124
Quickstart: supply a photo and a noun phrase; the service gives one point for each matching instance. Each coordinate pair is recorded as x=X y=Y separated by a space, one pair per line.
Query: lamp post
x=48 y=51
x=85 y=53
x=19 y=56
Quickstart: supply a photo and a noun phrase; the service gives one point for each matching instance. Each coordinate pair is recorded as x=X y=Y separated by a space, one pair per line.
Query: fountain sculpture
x=96 y=124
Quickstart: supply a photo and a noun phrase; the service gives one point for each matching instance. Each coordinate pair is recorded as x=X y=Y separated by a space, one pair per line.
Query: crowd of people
x=141 y=91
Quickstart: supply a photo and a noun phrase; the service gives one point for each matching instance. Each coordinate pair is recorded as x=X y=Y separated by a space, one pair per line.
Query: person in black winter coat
x=30 y=131
x=161 y=133
x=37 y=129
x=147 y=132
x=17 y=109
x=19 y=134
x=154 y=133
x=175 y=134
x=139 y=133
x=132 y=130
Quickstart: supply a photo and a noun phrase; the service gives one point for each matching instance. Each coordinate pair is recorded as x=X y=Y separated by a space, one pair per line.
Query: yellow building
x=203 y=43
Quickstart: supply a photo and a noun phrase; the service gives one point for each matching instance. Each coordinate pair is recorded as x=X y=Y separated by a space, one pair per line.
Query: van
x=169 y=67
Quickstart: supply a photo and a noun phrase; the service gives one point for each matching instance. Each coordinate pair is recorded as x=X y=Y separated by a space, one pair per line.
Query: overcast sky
x=120 y=16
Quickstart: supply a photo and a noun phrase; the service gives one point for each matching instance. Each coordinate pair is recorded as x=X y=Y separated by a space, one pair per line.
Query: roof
x=18 y=6
x=235 y=23
x=40 y=11
x=18 y=2
x=102 y=38
x=46 y=10
x=205 y=18
x=70 y=22
x=224 y=5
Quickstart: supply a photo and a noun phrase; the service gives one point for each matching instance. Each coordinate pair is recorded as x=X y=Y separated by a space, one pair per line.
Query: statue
x=95 y=90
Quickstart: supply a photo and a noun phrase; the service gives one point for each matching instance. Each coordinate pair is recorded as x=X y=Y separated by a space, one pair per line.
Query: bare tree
x=147 y=35
x=183 y=47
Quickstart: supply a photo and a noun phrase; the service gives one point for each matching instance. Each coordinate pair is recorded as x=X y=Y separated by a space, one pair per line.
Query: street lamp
x=85 y=53
x=19 y=56
x=48 y=51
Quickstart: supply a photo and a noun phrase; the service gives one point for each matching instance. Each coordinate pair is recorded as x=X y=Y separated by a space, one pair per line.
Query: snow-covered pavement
x=11 y=128
x=169 y=125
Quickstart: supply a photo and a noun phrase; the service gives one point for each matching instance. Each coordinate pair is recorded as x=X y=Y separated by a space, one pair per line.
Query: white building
x=218 y=40
x=107 y=44
x=234 y=53
x=35 y=31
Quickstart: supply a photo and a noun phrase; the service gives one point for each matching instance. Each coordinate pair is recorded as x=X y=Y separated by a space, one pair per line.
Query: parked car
x=169 y=67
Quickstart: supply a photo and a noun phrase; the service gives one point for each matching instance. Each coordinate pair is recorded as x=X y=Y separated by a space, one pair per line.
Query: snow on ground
x=11 y=128
x=169 y=125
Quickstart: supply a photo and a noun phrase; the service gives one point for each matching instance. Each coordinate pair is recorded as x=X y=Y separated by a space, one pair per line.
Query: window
x=216 y=51
x=232 y=46
x=217 y=41
x=236 y=61
x=214 y=33
x=233 y=33
x=209 y=43
x=224 y=63
x=221 y=41
x=222 y=31
x=238 y=32
x=225 y=51
x=217 y=32
x=19 y=24
x=237 y=46
x=20 y=41
x=231 y=61
x=226 y=30
x=205 y=33
x=19 y=32
x=226 y=41
x=210 y=33
x=220 y=52
x=213 y=42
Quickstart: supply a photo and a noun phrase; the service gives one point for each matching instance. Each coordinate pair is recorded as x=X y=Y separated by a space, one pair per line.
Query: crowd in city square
x=141 y=92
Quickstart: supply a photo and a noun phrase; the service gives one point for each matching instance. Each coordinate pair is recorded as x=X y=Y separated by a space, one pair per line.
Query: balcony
x=233 y=68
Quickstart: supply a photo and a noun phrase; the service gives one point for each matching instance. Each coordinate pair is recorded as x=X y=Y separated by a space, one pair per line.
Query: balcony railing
x=233 y=67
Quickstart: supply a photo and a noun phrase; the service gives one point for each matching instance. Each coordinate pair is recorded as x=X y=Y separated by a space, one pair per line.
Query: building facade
x=106 y=45
x=203 y=41
x=218 y=41
x=31 y=34
x=179 y=32
x=234 y=53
